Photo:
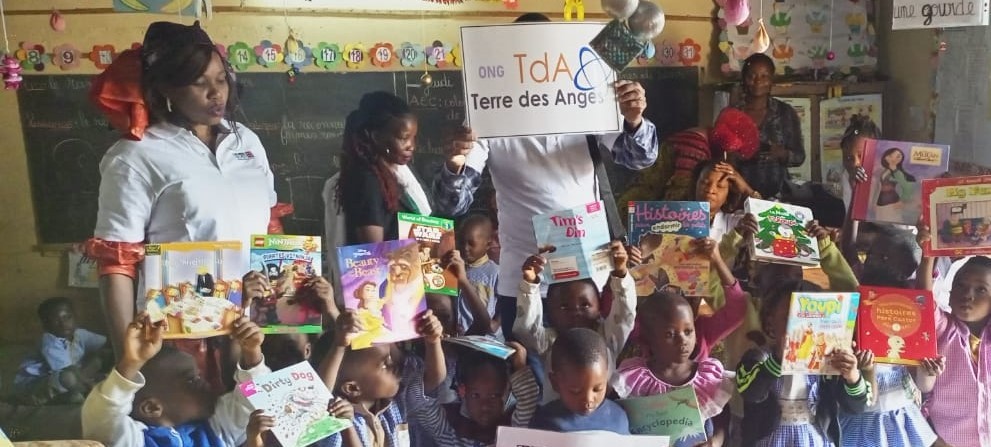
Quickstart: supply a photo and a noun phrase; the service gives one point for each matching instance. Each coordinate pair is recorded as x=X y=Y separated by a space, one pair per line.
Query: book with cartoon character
x=895 y=172
x=436 y=237
x=664 y=231
x=289 y=262
x=383 y=284
x=575 y=243
x=298 y=399
x=195 y=287
x=897 y=325
x=818 y=323
x=674 y=414
x=781 y=237
x=958 y=213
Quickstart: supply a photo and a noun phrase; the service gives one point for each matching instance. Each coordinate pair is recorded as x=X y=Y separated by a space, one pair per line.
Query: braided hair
x=860 y=126
x=375 y=112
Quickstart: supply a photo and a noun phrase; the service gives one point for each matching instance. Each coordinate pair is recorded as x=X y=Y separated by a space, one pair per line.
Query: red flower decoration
x=382 y=55
x=735 y=132
x=102 y=56
x=689 y=52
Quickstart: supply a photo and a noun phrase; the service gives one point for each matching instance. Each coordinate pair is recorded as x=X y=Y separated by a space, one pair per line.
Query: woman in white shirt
x=193 y=175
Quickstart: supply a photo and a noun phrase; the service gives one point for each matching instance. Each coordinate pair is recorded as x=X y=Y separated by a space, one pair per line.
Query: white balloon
x=762 y=41
x=648 y=20
x=619 y=9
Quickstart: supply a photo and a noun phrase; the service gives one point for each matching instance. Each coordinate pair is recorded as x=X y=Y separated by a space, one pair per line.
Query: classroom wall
x=906 y=57
x=30 y=276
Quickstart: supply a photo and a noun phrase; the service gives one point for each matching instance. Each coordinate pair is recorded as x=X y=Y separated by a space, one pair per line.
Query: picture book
x=818 y=323
x=895 y=171
x=436 y=237
x=298 y=399
x=958 y=213
x=649 y=221
x=195 y=287
x=289 y=262
x=897 y=325
x=575 y=243
x=674 y=414
x=673 y=264
x=781 y=237
x=484 y=344
x=528 y=437
x=384 y=286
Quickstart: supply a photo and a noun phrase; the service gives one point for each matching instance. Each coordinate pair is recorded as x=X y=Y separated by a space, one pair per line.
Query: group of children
x=578 y=350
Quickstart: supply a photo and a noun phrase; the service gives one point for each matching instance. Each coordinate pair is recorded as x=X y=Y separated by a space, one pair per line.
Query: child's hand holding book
x=249 y=336
x=142 y=341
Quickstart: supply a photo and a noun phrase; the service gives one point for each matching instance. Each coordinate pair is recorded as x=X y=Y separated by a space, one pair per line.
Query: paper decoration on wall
x=382 y=54
x=182 y=7
x=102 y=55
x=689 y=52
x=453 y=56
x=268 y=53
x=354 y=55
x=326 y=55
x=11 y=69
x=56 y=21
x=667 y=55
x=240 y=56
x=762 y=41
x=574 y=10
x=437 y=54
x=735 y=11
x=511 y=4
x=301 y=57
x=66 y=56
x=411 y=54
x=32 y=56
x=783 y=51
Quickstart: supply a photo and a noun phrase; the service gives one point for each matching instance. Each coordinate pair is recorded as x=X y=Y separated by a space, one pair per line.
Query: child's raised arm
x=755 y=375
x=325 y=293
x=346 y=327
x=529 y=326
x=833 y=264
x=924 y=275
x=431 y=330
x=258 y=425
x=927 y=373
x=523 y=385
x=730 y=316
x=481 y=323
x=249 y=337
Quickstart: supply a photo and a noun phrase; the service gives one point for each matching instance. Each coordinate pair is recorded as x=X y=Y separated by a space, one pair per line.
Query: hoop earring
x=168 y=104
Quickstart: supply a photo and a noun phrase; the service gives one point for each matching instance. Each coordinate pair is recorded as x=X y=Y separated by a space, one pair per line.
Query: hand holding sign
x=462 y=140
x=632 y=102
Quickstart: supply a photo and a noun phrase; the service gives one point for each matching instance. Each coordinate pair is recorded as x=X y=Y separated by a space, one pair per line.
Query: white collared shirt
x=169 y=187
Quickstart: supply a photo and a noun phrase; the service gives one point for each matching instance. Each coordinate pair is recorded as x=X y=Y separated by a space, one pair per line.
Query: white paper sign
x=525 y=437
x=537 y=79
x=913 y=14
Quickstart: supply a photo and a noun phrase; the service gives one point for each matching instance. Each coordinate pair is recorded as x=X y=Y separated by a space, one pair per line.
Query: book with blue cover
x=575 y=242
x=674 y=414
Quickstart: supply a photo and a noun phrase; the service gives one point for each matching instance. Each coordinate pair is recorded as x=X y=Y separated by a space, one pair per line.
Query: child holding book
x=794 y=410
x=574 y=304
x=960 y=381
x=259 y=432
x=476 y=239
x=156 y=397
x=666 y=363
x=581 y=363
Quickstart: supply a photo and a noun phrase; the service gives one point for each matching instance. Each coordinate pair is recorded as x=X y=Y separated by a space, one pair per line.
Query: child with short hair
x=156 y=397
x=960 y=380
x=68 y=362
x=476 y=238
x=581 y=365
x=575 y=304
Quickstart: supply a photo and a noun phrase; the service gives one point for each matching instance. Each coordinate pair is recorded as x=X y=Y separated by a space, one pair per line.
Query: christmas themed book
x=484 y=344
x=781 y=237
x=383 y=284
x=289 y=262
x=575 y=243
x=436 y=237
x=195 y=287
x=818 y=324
x=897 y=325
x=664 y=231
x=895 y=172
x=958 y=213
x=298 y=399
x=674 y=414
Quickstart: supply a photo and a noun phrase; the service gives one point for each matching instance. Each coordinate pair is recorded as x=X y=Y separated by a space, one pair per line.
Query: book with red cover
x=958 y=213
x=897 y=325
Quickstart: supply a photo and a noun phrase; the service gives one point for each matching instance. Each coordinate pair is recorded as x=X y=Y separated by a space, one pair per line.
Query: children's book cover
x=673 y=265
x=897 y=325
x=485 y=344
x=781 y=237
x=436 y=237
x=958 y=213
x=895 y=171
x=575 y=242
x=818 y=324
x=195 y=287
x=674 y=414
x=663 y=231
x=298 y=399
x=289 y=262
x=649 y=221
x=528 y=437
x=383 y=284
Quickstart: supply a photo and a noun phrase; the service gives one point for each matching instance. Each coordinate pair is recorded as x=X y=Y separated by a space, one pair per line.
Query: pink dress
x=713 y=385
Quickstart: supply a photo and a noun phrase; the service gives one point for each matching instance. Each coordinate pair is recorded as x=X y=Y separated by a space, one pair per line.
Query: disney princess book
x=195 y=287
x=674 y=414
x=298 y=399
x=781 y=237
x=897 y=325
x=289 y=262
x=895 y=172
x=958 y=213
x=818 y=324
x=383 y=283
x=436 y=238
x=664 y=232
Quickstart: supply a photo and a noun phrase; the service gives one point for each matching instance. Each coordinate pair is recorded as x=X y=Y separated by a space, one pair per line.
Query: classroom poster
x=803 y=107
x=83 y=271
x=537 y=79
x=834 y=117
x=188 y=8
x=518 y=437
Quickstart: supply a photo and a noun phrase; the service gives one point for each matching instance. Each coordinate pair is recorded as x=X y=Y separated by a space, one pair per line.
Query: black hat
x=164 y=38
